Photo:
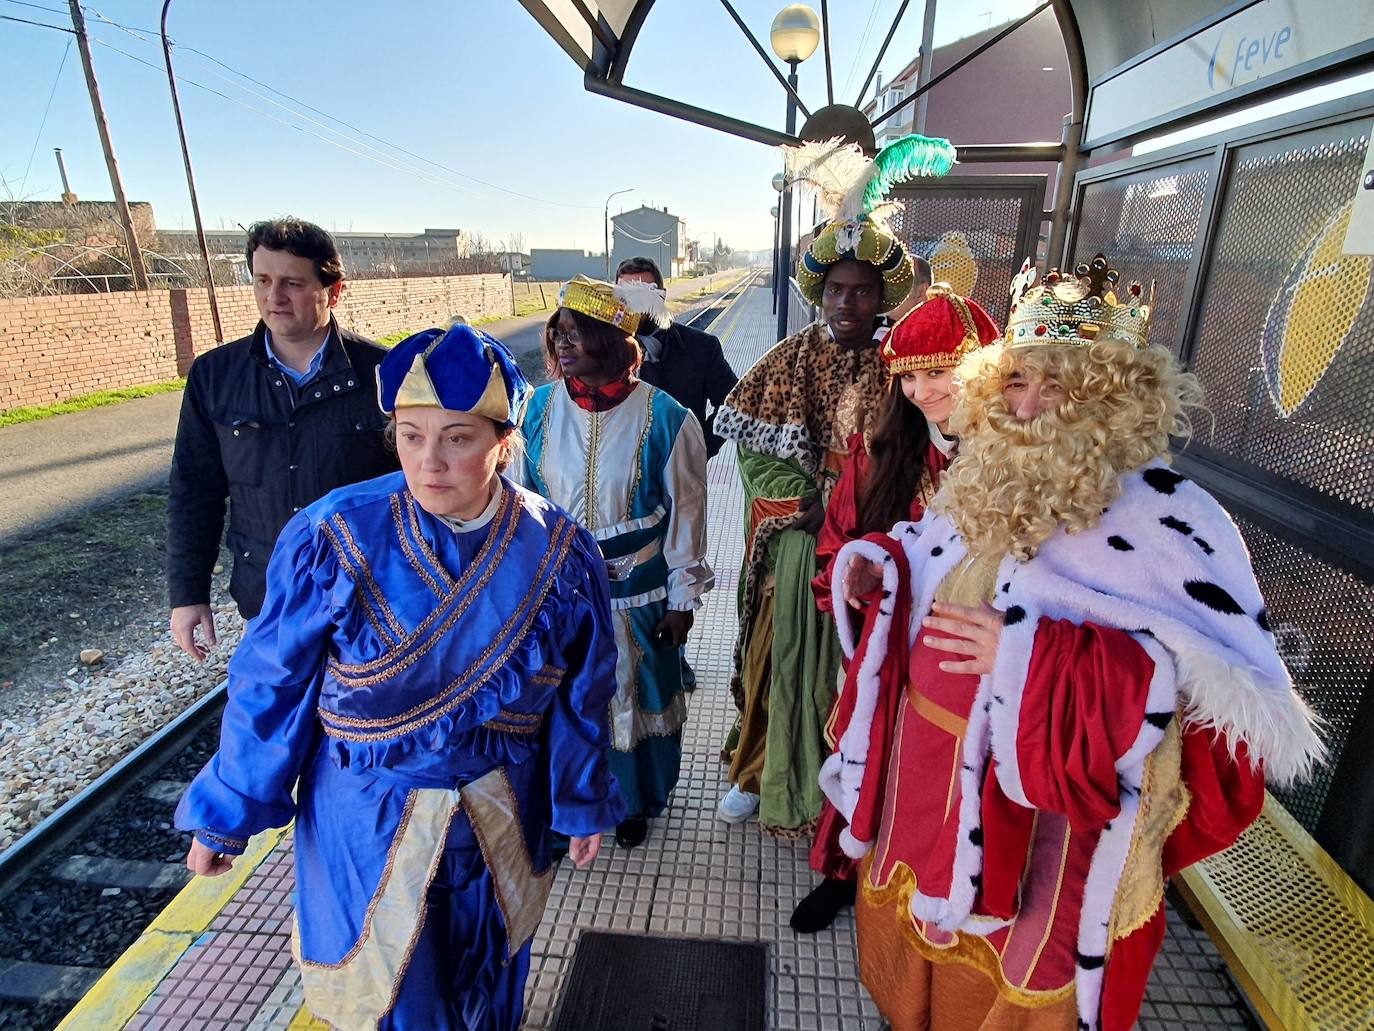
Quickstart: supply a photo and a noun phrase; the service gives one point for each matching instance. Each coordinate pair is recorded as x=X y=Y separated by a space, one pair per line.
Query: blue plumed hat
x=461 y=369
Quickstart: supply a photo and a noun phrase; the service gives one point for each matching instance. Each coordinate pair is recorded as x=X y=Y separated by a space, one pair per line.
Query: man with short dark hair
x=271 y=422
x=792 y=416
x=685 y=363
x=920 y=283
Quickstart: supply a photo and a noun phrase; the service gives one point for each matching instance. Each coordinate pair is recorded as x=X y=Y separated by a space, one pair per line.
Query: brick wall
x=57 y=348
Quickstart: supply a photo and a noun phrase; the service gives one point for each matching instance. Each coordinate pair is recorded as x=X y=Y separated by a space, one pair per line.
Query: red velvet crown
x=938 y=332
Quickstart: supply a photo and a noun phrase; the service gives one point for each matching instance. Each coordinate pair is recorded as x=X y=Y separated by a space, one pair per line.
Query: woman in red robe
x=893 y=471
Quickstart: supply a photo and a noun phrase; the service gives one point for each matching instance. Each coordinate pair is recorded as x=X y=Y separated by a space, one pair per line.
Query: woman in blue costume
x=629 y=463
x=434 y=663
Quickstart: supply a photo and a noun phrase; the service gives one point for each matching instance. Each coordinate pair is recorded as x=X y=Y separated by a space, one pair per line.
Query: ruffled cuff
x=221 y=843
x=579 y=819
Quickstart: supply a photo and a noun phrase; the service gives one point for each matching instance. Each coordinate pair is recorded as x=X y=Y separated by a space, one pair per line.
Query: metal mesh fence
x=1321 y=618
x=970 y=236
x=1147 y=223
x=1285 y=347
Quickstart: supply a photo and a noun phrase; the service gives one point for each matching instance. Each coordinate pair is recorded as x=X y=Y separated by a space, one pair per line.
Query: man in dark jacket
x=271 y=422
x=686 y=363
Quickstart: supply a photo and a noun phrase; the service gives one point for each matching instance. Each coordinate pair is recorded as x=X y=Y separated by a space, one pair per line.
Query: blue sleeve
x=270 y=726
x=586 y=798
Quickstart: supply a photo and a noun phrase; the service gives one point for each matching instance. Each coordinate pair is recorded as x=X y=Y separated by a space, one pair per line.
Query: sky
x=459 y=114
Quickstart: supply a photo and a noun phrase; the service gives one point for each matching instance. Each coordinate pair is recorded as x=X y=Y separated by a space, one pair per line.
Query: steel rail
x=77 y=812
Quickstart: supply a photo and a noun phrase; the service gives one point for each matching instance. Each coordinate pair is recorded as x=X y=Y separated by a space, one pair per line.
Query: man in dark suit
x=685 y=363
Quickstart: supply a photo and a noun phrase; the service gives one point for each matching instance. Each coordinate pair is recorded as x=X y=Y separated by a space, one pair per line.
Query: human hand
x=974 y=632
x=204 y=861
x=861 y=577
x=811 y=515
x=185 y=620
x=672 y=629
x=584 y=850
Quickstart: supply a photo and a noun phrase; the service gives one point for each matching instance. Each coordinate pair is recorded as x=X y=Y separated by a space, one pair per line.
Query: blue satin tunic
x=401 y=668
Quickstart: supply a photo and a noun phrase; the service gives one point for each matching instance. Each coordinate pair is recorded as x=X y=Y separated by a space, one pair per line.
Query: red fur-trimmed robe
x=1021 y=824
x=842 y=526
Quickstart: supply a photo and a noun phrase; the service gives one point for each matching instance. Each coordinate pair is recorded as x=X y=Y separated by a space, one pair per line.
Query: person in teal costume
x=425 y=693
x=629 y=463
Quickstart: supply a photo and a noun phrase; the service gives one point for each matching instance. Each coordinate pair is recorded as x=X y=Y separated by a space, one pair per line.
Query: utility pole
x=83 y=46
x=923 y=74
x=191 y=182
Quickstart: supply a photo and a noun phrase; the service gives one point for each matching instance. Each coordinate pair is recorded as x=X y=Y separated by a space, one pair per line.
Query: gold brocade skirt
x=919 y=989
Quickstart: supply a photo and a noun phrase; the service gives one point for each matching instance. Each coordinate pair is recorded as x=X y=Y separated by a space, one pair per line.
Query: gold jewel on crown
x=1076 y=309
x=597 y=299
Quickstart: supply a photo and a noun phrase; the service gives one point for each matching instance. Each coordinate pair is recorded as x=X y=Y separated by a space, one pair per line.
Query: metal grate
x=1321 y=617
x=1286 y=343
x=1147 y=223
x=1299 y=931
x=632 y=982
x=974 y=238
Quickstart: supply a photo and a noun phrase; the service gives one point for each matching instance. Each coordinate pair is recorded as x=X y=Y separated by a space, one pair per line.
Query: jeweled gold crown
x=624 y=305
x=1077 y=309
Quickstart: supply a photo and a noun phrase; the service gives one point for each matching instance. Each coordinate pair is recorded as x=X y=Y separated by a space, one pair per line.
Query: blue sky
x=472 y=85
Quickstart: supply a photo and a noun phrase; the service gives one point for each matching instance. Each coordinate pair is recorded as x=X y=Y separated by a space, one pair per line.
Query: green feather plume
x=907 y=158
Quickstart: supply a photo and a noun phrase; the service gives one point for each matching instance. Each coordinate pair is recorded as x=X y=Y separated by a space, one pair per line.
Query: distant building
x=651 y=233
x=1027 y=73
x=90 y=239
x=555 y=264
x=436 y=249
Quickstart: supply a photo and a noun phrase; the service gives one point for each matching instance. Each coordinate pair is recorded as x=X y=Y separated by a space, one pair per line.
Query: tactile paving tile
x=694 y=876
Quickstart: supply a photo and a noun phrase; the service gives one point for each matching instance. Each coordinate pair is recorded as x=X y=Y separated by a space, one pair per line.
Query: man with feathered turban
x=1066 y=688
x=791 y=416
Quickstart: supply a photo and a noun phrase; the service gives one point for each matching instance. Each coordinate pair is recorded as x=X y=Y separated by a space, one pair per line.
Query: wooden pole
x=191 y=182
x=83 y=46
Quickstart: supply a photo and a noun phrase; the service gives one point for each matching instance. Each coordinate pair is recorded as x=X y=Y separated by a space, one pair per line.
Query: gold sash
x=360 y=989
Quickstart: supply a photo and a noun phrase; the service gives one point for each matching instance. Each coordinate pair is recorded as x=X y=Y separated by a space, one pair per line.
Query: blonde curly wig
x=1015 y=482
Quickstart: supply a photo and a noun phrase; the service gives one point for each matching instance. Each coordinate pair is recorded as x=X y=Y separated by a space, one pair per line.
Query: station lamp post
x=774 y=212
x=779 y=184
x=795 y=35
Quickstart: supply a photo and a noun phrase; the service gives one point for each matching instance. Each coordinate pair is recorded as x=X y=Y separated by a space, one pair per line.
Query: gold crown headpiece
x=623 y=305
x=1077 y=309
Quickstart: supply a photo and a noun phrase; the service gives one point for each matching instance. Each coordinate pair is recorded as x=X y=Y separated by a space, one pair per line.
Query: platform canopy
x=1137 y=68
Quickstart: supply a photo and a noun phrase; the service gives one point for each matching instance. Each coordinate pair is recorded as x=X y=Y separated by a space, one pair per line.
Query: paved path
x=56 y=467
x=59 y=466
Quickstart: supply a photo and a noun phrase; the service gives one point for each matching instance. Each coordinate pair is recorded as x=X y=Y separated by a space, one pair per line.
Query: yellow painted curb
x=197 y=904
x=125 y=987
x=304 y=1020
x=122 y=990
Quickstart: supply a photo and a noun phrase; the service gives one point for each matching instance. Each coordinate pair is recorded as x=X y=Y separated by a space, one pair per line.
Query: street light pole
x=606 y=228
x=102 y=127
x=191 y=182
x=785 y=246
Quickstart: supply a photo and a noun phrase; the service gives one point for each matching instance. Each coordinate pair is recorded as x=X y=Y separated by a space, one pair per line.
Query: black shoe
x=689 y=675
x=632 y=832
x=817 y=911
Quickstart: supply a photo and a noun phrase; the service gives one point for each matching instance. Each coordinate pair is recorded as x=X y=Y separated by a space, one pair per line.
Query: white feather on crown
x=645 y=300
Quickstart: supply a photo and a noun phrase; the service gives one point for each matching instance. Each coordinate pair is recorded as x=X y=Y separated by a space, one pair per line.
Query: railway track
x=81 y=887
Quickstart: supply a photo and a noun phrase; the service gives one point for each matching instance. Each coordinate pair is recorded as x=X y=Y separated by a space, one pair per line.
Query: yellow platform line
x=304 y=1020
x=122 y=990
x=737 y=310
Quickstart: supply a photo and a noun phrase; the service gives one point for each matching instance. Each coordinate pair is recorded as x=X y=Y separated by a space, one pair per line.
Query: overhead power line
x=386 y=159
x=39 y=24
x=410 y=169
x=44 y=121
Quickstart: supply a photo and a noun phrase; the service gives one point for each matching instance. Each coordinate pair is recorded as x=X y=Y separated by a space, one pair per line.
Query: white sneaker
x=737 y=806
